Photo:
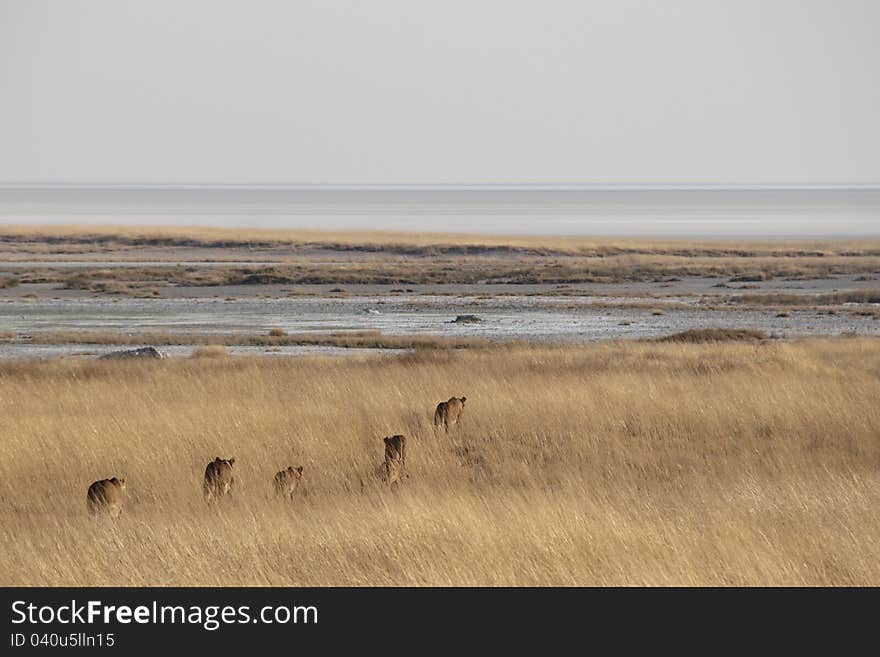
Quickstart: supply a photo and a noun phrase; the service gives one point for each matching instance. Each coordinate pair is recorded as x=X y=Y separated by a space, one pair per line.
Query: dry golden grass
x=836 y=298
x=636 y=463
x=96 y=236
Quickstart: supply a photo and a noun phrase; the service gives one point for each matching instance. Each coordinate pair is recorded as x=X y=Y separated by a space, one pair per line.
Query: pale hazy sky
x=443 y=91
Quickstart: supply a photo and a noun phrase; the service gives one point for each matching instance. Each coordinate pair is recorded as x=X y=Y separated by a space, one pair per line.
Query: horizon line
x=432 y=187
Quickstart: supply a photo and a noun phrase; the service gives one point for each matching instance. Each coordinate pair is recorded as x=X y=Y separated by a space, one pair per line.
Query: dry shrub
x=715 y=335
x=210 y=351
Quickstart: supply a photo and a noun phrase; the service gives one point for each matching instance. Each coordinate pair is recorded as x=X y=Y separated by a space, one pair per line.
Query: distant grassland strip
x=346 y=339
x=382 y=258
x=464 y=270
x=408 y=243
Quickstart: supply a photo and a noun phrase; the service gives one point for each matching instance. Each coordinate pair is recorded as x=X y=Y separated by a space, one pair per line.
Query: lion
x=106 y=497
x=449 y=412
x=395 y=459
x=219 y=479
x=287 y=481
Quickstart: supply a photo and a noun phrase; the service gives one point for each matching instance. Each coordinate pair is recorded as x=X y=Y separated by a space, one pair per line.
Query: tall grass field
x=611 y=464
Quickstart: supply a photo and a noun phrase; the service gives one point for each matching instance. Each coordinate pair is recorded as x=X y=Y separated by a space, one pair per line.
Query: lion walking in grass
x=395 y=459
x=448 y=413
x=106 y=497
x=219 y=479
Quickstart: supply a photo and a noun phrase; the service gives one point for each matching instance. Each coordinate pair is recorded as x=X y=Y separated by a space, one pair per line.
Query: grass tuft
x=715 y=335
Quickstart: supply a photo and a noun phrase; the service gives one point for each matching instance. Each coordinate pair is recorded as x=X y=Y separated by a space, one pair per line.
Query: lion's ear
x=463 y=399
x=122 y=480
x=232 y=461
x=300 y=469
x=387 y=440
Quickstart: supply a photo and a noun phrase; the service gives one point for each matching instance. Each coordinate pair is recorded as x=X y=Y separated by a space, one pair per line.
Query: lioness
x=395 y=459
x=106 y=496
x=219 y=479
x=287 y=481
x=449 y=412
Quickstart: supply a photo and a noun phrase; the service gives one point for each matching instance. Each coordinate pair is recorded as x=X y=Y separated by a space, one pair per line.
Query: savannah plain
x=709 y=456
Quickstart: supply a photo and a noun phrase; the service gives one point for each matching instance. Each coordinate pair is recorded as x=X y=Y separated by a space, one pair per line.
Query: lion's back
x=106 y=495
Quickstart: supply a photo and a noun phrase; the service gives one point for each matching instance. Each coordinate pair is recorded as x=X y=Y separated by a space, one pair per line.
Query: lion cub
x=106 y=497
x=287 y=481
